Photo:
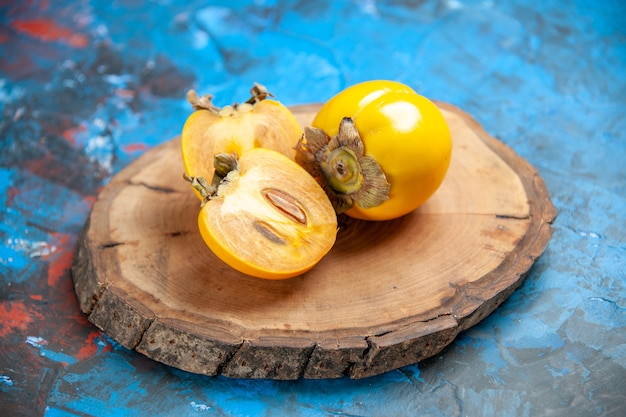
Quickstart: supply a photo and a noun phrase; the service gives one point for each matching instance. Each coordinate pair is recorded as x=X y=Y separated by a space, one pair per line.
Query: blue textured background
x=86 y=87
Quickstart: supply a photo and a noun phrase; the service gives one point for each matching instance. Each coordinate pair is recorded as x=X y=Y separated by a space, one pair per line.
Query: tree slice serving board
x=387 y=295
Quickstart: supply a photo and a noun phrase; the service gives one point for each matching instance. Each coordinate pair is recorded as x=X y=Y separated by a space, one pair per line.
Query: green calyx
x=226 y=168
x=342 y=170
x=341 y=167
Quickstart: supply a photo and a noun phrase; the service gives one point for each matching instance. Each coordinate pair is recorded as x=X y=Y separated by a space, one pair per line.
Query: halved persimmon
x=259 y=122
x=267 y=217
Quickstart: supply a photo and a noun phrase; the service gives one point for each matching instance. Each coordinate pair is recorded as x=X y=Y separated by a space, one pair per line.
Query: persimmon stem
x=205 y=102
x=342 y=170
x=224 y=163
x=202 y=186
x=258 y=93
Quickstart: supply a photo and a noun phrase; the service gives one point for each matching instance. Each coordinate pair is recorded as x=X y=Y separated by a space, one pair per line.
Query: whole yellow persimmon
x=378 y=148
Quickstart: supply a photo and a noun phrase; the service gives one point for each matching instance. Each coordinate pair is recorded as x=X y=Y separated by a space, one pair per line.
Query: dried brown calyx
x=226 y=165
x=340 y=166
x=258 y=93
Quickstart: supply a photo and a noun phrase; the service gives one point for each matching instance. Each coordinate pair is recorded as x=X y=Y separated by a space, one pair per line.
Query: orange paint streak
x=13 y=316
x=59 y=267
x=91 y=347
x=125 y=93
x=135 y=147
x=48 y=31
x=36 y=297
x=60 y=260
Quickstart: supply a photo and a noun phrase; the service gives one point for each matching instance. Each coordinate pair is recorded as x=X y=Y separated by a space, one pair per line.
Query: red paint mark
x=78 y=316
x=135 y=147
x=91 y=347
x=12 y=192
x=59 y=267
x=48 y=31
x=61 y=260
x=71 y=133
x=36 y=297
x=87 y=351
x=20 y=66
x=13 y=316
x=89 y=200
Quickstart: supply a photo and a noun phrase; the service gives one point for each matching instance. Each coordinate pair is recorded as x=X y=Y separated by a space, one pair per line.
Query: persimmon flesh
x=269 y=218
x=259 y=122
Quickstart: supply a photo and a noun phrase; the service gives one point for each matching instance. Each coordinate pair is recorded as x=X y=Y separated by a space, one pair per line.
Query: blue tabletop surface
x=86 y=87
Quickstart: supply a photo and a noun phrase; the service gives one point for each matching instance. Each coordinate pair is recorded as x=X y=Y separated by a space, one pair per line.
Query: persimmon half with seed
x=259 y=122
x=267 y=217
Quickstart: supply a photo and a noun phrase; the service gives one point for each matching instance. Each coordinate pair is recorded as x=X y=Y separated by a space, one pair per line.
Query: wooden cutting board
x=388 y=294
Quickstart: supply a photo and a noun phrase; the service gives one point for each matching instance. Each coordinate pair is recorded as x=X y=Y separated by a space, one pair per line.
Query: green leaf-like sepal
x=340 y=166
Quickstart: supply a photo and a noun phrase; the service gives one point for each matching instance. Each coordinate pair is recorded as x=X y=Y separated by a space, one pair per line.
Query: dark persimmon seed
x=286 y=204
x=268 y=232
